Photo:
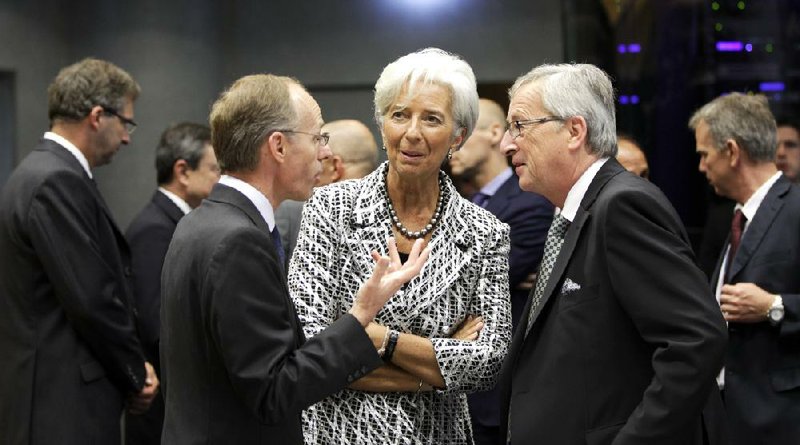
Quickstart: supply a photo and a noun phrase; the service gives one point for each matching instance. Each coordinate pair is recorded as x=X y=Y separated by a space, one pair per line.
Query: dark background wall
x=183 y=53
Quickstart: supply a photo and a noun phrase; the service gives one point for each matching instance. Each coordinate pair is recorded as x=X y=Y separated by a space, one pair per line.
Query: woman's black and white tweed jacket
x=466 y=273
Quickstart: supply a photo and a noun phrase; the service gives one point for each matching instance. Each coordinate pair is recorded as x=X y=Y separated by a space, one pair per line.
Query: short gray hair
x=744 y=118
x=568 y=90
x=86 y=84
x=431 y=65
x=246 y=113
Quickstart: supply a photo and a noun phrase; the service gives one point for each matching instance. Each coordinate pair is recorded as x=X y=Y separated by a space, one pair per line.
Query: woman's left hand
x=469 y=329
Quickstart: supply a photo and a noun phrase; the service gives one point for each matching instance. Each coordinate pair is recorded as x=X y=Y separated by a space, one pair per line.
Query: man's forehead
x=525 y=102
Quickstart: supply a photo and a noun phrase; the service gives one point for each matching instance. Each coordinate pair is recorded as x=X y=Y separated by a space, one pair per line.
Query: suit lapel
x=760 y=225
x=610 y=169
x=173 y=212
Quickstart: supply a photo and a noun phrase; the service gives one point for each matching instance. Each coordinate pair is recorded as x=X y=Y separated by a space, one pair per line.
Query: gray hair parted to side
x=568 y=90
x=246 y=113
x=431 y=65
x=744 y=118
x=81 y=86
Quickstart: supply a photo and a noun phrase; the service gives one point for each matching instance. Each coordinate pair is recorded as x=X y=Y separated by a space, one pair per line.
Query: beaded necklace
x=396 y=220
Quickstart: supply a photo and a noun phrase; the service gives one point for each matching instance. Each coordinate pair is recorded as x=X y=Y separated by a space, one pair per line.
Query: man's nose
x=507 y=144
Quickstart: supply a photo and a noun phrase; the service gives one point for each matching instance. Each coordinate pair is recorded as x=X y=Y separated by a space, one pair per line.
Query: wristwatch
x=775 y=313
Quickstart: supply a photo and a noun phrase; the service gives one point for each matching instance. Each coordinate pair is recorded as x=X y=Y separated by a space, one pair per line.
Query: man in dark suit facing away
x=71 y=355
x=236 y=366
x=757 y=277
x=186 y=170
x=481 y=162
x=621 y=340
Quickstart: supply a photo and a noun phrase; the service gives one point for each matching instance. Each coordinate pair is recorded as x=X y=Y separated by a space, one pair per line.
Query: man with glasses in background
x=186 y=170
x=72 y=357
x=621 y=339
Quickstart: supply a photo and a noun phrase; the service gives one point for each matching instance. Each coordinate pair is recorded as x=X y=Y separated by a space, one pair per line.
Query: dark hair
x=786 y=122
x=86 y=84
x=185 y=141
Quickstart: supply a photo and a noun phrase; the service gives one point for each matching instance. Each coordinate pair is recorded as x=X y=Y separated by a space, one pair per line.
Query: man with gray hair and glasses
x=621 y=338
x=757 y=277
x=72 y=357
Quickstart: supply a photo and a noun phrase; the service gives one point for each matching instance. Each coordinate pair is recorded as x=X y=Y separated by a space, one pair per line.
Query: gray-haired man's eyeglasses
x=319 y=139
x=515 y=127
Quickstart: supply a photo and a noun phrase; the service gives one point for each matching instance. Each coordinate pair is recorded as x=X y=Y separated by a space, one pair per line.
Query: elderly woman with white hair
x=447 y=331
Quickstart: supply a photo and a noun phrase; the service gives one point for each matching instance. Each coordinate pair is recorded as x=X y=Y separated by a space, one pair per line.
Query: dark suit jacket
x=149 y=235
x=67 y=336
x=236 y=366
x=762 y=365
x=528 y=215
x=629 y=338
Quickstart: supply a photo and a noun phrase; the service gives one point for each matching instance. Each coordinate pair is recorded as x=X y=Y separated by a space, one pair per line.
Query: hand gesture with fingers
x=387 y=277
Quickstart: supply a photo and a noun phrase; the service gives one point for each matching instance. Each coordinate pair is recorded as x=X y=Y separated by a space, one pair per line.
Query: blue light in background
x=748 y=47
x=729 y=46
x=621 y=48
x=771 y=86
x=634 y=48
x=634 y=99
x=624 y=100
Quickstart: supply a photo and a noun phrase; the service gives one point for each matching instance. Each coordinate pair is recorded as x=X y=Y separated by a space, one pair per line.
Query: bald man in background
x=355 y=154
x=632 y=157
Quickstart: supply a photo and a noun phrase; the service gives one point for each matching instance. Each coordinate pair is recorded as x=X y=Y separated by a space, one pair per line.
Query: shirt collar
x=491 y=188
x=754 y=202
x=60 y=140
x=256 y=197
x=578 y=190
x=177 y=200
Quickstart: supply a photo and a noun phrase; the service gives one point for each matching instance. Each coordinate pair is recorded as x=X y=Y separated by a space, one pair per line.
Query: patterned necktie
x=276 y=239
x=737 y=228
x=481 y=199
x=552 y=246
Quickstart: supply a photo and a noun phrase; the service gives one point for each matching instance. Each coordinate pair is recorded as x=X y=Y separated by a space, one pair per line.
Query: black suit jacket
x=762 y=364
x=149 y=235
x=236 y=366
x=528 y=215
x=629 y=338
x=67 y=336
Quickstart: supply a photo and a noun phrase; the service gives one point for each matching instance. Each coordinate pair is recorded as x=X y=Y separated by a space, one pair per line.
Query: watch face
x=776 y=314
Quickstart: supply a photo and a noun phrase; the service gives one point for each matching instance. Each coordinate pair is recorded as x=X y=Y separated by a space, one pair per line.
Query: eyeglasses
x=130 y=125
x=515 y=127
x=319 y=139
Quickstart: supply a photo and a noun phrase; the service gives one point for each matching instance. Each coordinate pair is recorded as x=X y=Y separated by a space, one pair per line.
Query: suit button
x=349 y=379
x=127 y=271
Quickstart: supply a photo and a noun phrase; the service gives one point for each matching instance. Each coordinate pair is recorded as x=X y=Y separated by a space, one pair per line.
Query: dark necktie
x=552 y=246
x=737 y=228
x=481 y=199
x=276 y=239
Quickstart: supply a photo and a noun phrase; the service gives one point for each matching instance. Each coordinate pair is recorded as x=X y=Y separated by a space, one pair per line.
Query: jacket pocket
x=785 y=379
x=92 y=371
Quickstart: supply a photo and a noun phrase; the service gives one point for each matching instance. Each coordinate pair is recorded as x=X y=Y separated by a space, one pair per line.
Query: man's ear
x=180 y=171
x=496 y=133
x=276 y=146
x=736 y=153
x=578 y=131
x=94 y=116
x=338 y=168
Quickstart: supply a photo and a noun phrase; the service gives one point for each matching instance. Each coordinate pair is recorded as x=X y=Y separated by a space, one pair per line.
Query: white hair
x=430 y=65
x=568 y=90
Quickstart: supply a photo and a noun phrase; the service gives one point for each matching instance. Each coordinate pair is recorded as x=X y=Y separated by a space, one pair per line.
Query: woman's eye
x=397 y=115
x=434 y=119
